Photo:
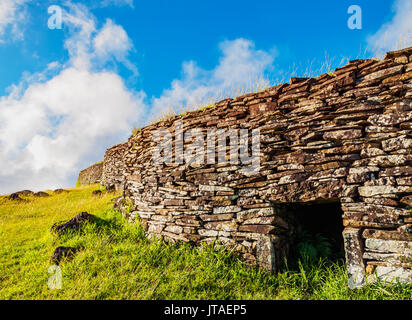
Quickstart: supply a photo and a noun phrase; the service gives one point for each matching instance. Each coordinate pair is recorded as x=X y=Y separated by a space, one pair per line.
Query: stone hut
x=334 y=155
x=91 y=175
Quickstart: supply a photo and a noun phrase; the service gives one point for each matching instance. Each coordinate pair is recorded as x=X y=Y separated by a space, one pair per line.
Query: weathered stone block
x=217 y=217
x=401 y=142
x=254 y=213
x=389 y=246
x=221 y=226
x=354 y=257
x=386 y=235
x=372 y=191
x=257 y=228
x=262 y=108
x=214 y=188
x=226 y=209
x=266 y=254
x=174 y=229
x=391 y=275
x=342 y=134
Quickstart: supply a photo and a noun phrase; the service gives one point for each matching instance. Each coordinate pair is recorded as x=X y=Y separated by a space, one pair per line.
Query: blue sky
x=166 y=33
x=68 y=94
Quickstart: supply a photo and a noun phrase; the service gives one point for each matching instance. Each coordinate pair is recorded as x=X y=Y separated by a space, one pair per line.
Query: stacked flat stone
x=91 y=175
x=114 y=167
x=345 y=137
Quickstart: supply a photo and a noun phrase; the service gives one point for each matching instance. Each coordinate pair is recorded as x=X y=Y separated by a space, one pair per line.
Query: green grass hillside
x=116 y=261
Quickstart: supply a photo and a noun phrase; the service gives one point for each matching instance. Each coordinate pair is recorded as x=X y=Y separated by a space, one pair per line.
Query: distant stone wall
x=344 y=137
x=114 y=169
x=91 y=175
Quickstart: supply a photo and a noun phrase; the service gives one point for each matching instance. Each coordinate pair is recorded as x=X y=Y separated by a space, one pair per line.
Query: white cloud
x=63 y=123
x=240 y=67
x=56 y=122
x=12 y=16
x=60 y=120
x=112 y=42
x=112 y=39
x=82 y=26
x=89 y=47
x=395 y=34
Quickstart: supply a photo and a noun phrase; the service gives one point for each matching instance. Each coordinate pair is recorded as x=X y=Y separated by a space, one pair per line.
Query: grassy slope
x=117 y=262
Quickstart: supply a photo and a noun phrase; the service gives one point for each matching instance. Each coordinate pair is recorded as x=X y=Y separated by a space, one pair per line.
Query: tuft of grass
x=208 y=106
x=135 y=130
x=308 y=69
x=117 y=261
x=165 y=115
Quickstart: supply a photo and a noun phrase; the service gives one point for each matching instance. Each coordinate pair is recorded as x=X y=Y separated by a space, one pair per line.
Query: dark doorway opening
x=316 y=231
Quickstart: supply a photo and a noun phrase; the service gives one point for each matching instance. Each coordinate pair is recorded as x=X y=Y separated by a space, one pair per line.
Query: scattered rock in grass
x=25 y=193
x=41 y=194
x=15 y=197
x=63 y=253
x=58 y=191
x=110 y=188
x=74 y=223
x=97 y=193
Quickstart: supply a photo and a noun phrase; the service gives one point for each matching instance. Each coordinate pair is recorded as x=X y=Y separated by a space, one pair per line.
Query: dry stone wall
x=114 y=167
x=344 y=137
x=91 y=175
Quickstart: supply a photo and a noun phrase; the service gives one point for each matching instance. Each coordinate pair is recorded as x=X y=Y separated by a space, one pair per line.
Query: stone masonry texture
x=114 y=166
x=343 y=137
x=91 y=175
